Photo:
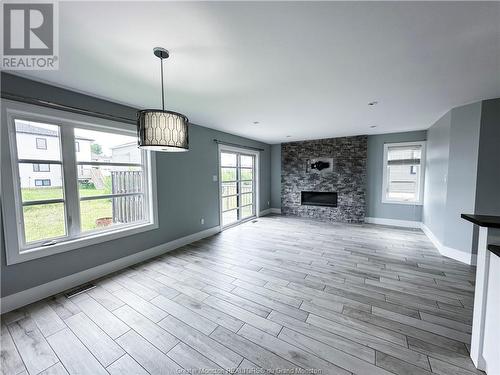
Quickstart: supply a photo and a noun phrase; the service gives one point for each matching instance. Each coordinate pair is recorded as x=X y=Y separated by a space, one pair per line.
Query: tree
x=96 y=148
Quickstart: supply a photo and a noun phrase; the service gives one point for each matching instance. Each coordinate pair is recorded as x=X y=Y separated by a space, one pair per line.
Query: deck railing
x=129 y=208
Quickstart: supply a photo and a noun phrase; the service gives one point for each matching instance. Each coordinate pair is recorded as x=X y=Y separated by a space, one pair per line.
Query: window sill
x=43 y=251
x=231 y=225
x=407 y=203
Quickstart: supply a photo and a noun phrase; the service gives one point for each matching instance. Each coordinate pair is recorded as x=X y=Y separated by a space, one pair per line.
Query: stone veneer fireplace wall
x=347 y=179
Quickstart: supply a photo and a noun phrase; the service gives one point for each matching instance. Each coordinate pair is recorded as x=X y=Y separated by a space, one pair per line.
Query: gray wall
x=186 y=193
x=488 y=176
x=375 y=165
x=451 y=176
x=276 y=176
x=462 y=172
x=436 y=174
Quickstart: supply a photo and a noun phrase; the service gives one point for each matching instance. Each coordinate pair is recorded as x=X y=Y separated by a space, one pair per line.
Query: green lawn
x=92 y=210
x=32 y=194
x=42 y=222
x=47 y=220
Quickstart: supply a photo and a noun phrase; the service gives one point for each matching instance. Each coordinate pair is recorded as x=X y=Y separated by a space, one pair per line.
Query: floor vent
x=79 y=290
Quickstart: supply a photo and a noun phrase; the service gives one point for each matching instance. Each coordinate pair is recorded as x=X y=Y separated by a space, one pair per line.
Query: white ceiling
x=304 y=70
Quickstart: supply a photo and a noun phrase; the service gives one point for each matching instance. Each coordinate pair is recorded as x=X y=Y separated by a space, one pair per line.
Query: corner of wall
x=449 y=252
x=276 y=176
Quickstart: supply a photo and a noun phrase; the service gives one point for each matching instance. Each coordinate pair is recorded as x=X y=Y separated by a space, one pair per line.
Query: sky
x=106 y=140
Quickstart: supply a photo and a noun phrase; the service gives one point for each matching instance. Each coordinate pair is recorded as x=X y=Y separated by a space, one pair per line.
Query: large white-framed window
x=403 y=173
x=86 y=196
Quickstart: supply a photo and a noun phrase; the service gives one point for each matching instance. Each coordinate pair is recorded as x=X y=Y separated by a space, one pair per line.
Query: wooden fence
x=129 y=208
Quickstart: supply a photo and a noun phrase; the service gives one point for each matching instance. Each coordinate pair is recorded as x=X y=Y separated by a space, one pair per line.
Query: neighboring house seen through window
x=403 y=173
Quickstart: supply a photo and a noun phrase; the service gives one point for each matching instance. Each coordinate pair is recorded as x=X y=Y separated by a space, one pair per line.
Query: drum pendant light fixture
x=161 y=130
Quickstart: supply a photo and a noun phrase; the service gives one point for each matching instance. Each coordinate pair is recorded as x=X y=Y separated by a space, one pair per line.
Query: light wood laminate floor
x=278 y=293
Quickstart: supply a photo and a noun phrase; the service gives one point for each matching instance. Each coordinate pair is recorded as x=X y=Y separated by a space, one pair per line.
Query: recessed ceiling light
x=373 y=126
x=373 y=103
x=256 y=123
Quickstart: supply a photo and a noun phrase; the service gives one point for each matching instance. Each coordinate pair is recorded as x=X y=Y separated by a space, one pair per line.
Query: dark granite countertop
x=483 y=220
x=495 y=249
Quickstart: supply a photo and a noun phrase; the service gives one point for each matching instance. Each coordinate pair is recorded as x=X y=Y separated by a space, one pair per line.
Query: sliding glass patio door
x=237 y=186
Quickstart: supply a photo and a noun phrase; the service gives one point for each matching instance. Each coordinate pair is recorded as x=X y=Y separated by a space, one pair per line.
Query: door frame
x=246 y=151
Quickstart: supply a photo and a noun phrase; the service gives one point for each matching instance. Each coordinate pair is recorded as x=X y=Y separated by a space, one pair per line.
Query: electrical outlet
x=214 y=178
x=268 y=203
x=202 y=221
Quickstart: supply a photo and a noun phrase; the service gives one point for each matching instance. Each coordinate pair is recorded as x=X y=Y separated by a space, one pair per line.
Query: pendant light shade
x=161 y=130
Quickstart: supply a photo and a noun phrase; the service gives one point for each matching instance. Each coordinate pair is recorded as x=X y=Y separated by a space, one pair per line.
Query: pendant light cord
x=162 y=90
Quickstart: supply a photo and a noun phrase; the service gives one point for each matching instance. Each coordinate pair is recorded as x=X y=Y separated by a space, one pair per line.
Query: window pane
x=103 y=180
x=403 y=182
x=246 y=199
x=229 y=217
x=228 y=174
x=40 y=185
x=227 y=160
x=96 y=214
x=35 y=140
x=246 y=161
x=44 y=221
x=229 y=203
x=228 y=188
x=246 y=186
x=99 y=214
x=246 y=211
x=246 y=174
x=106 y=147
x=404 y=153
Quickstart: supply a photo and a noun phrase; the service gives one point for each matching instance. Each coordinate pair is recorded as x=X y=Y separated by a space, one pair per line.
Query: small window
x=77 y=146
x=42 y=182
x=41 y=143
x=41 y=167
x=403 y=173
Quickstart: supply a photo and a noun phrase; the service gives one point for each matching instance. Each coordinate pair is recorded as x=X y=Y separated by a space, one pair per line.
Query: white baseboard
x=265 y=212
x=270 y=211
x=16 y=300
x=393 y=222
x=446 y=251
x=449 y=252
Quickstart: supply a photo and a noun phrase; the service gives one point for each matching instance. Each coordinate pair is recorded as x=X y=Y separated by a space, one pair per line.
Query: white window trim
x=10 y=193
x=222 y=148
x=420 y=200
